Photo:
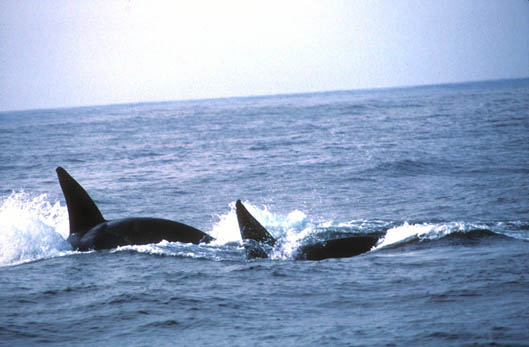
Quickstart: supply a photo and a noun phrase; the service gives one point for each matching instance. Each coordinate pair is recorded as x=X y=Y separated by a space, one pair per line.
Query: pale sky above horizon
x=74 y=53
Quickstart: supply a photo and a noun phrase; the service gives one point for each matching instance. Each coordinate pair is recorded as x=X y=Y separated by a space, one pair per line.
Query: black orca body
x=89 y=230
x=256 y=239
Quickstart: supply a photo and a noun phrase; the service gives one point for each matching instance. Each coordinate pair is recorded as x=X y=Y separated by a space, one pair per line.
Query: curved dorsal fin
x=250 y=228
x=82 y=211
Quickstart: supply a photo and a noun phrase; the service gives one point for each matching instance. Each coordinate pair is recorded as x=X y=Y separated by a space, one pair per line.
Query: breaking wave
x=32 y=228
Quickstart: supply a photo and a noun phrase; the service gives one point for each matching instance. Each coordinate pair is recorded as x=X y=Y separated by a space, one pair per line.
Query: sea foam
x=31 y=228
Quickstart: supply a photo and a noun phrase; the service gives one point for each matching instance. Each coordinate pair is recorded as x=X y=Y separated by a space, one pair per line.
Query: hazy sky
x=56 y=53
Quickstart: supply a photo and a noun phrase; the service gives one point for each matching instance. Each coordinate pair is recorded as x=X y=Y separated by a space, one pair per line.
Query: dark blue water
x=441 y=171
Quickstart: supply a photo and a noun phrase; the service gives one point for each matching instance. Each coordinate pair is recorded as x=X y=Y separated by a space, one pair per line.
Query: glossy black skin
x=257 y=239
x=89 y=230
x=337 y=248
x=136 y=231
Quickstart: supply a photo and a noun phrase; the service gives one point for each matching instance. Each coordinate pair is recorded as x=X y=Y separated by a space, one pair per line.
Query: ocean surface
x=441 y=171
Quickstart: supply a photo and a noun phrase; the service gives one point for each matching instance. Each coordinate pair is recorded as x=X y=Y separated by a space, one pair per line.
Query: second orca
x=256 y=239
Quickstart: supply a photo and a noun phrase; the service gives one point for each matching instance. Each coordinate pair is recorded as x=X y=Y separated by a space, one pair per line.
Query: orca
x=90 y=231
x=257 y=241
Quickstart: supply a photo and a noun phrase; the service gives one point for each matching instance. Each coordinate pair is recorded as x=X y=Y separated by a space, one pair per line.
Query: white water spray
x=31 y=228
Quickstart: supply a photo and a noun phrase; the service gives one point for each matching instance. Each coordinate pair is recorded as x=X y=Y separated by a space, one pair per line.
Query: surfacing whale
x=257 y=239
x=89 y=230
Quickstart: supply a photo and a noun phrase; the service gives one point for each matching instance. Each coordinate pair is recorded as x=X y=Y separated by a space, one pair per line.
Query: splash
x=31 y=228
x=289 y=229
x=424 y=231
x=226 y=230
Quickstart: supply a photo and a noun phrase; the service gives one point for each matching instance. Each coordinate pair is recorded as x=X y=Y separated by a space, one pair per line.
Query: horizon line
x=265 y=95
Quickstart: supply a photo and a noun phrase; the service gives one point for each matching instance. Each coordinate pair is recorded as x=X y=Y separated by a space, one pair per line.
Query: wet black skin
x=136 y=231
x=89 y=230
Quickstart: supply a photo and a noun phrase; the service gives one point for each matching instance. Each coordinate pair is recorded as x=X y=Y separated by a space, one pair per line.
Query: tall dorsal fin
x=82 y=210
x=250 y=228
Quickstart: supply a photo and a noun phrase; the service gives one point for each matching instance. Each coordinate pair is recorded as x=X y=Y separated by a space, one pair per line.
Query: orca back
x=82 y=211
x=338 y=248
